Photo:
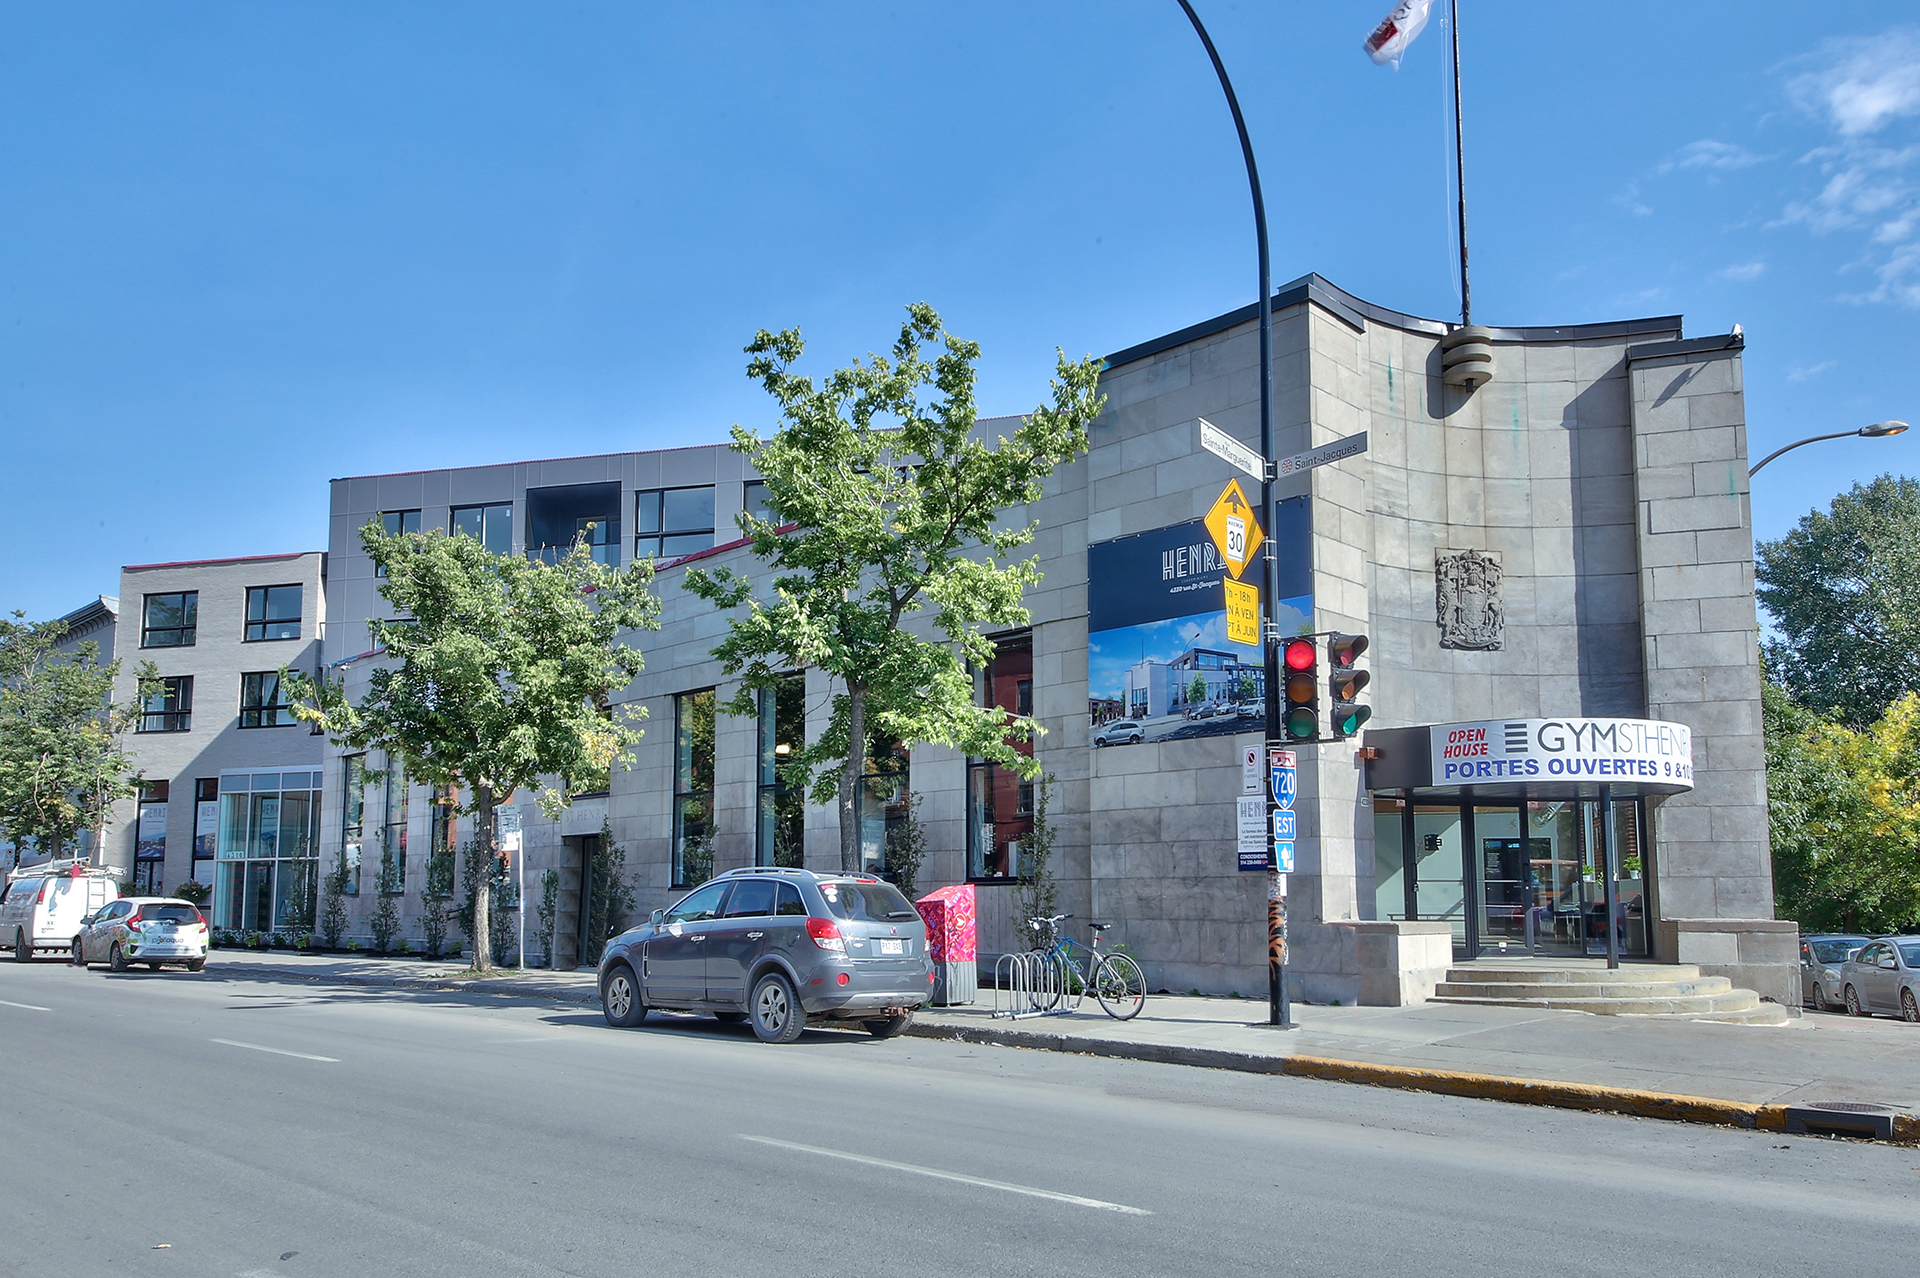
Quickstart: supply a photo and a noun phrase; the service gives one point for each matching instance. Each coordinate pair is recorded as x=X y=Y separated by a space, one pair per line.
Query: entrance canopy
x=1533 y=758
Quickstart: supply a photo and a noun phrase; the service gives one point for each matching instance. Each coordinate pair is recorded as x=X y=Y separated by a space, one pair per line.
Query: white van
x=42 y=905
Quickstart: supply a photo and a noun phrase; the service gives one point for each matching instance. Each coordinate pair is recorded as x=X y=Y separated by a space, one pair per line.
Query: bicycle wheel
x=1120 y=986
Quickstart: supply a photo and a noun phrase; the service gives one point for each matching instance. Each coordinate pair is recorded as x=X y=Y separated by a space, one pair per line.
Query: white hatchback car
x=144 y=929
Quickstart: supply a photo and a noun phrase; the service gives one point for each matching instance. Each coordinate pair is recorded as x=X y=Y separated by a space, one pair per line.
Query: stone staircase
x=1641 y=989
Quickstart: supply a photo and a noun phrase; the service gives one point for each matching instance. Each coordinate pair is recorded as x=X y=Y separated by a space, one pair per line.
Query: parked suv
x=42 y=906
x=775 y=947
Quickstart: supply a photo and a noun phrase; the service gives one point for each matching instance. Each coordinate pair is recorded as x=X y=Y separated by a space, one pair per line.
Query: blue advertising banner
x=1160 y=666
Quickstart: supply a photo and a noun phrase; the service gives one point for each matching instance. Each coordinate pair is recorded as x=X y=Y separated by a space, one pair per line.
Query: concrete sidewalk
x=1578 y=1059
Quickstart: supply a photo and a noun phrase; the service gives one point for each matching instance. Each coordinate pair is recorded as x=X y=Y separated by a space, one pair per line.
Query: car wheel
x=153 y=967
x=888 y=1026
x=1819 y=1003
x=730 y=1018
x=1135 y=739
x=1909 y=1007
x=196 y=965
x=620 y=999
x=22 y=951
x=1853 y=1003
x=117 y=958
x=79 y=954
x=777 y=1017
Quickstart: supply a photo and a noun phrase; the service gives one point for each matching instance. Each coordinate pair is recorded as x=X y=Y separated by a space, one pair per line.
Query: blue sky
x=250 y=247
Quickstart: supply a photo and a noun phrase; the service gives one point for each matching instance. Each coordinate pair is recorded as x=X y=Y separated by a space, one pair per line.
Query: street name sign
x=1236 y=533
x=1231 y=450
x=1339 y=449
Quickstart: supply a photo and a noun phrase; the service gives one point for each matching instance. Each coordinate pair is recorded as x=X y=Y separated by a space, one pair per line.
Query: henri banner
x=1165 y=660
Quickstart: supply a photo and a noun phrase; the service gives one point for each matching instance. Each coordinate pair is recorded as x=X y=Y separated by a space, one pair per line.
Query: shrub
x=385 y=923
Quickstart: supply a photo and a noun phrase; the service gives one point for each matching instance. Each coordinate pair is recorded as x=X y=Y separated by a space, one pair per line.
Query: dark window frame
x=988 y=784
x=395 y=523
x=781 y=800
x=689 y=798
x=175 y=713
x=265 y=714
x=454 y=529
x=188 y=629
x=265 y=593
x=652 y=544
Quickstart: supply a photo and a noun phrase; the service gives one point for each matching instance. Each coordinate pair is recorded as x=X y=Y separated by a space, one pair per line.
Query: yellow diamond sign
x=1235 y=532
x=1243 y=613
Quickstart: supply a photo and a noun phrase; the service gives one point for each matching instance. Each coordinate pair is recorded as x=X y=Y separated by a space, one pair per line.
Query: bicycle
x=1115 y=979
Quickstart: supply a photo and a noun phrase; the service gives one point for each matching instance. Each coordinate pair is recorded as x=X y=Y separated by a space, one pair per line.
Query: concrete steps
x=1674 y=990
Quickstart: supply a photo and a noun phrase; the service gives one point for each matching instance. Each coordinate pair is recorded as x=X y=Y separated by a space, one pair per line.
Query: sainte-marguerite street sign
x=1232 y=451
x=1229 y=449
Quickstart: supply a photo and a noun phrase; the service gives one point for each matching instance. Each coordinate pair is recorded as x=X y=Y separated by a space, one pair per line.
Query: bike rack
x=1035 y=983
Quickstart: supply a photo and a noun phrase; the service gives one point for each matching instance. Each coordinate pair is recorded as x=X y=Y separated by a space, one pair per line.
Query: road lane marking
x=1073 y=1199
x=31 y=1007
x=255 y=1047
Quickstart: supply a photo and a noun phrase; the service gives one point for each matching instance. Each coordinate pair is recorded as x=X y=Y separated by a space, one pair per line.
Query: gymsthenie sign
x=1646 y=752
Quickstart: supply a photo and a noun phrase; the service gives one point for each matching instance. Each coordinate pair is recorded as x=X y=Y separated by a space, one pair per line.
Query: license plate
x=890 y=947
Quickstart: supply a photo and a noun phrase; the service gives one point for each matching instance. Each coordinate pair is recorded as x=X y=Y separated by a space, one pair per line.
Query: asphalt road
x=256 y=1127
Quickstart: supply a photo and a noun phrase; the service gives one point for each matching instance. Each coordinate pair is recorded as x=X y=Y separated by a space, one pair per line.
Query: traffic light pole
x=1278 y=1008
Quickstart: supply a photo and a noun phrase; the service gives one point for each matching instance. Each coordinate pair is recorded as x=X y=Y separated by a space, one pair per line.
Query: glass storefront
x=1534 y=882
x=268 y=853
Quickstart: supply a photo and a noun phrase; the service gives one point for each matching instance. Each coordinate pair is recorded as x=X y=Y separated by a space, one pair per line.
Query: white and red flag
x=1396 y=31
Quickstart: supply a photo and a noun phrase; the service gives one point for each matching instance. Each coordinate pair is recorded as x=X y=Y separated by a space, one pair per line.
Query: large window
x=263 y=701
x=353 y=819
x=783 y=735
x=558 y=517
x=268 y=868
x=170 y=620
x=443 y=840
x=670 y=522
x=273 y=612
x=206 y=827
x=491 y=526
x=881 y=803
x=999 y=801
x=150 y=839
x=397 y=522
x=693 y=788
x=754 y=499
x=393 y=829
x=169 y=708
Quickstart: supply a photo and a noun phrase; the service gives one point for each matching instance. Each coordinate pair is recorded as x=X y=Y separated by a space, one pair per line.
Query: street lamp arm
x=1876 y=431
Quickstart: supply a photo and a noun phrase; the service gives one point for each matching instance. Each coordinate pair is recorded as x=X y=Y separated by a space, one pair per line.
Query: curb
x=589 y=997
x=1634 y=1102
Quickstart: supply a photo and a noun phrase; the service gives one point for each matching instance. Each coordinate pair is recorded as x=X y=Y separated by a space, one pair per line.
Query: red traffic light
x=1300 y=654
x=1343 y=650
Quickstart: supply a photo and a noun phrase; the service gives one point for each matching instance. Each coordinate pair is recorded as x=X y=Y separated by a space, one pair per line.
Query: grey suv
x=775 y=946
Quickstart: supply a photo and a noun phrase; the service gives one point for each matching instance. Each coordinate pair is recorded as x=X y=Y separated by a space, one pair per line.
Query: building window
x=269 y=852
x=670 y=522
x=206 y=827
x=558 y=517
x=353 y=818
x=881 y=804
x=491 y=526
x=443 y=840
x=693 y=788
x=263 y=702
x=754 y=499
x=397 y=522
x=393 y=830
x=783 y=735
x=150 y=839
x=169 y=621
x=170 y=708
x=999 y=801
x=273 y=612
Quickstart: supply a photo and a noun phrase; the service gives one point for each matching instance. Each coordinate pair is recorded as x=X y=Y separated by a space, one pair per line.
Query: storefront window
x=268 y=851
x=693 y=788
x=1389 y=876
x=881 y=804
x=999 y=800
x=780 y=837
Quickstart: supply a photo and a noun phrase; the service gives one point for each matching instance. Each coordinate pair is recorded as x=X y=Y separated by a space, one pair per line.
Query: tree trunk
x=483 y=881
x=852 y=772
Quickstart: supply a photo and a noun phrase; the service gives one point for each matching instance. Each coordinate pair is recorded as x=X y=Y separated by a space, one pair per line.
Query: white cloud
x=1629 y=200
x=1864 y=83
x=1711 y=154
x=1745 y=273
x=1801 y=372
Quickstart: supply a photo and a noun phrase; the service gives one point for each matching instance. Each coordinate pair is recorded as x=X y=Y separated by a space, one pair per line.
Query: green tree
x=63 y=757
x=1843 y=591
x=499 y=678
x=1197 y=689
x=884 y=503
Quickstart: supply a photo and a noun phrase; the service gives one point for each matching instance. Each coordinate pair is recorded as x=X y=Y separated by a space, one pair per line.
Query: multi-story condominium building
x=1547 y=540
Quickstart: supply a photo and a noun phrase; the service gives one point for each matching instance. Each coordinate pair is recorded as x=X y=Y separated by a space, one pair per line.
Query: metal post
x=520 y=893
x=1610 y=890
x=1460 y=165
x=1278 y=1009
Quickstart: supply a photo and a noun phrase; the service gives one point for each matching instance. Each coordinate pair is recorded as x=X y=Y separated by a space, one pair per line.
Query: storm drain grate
x=1841 y=1118
x=1852 y=1107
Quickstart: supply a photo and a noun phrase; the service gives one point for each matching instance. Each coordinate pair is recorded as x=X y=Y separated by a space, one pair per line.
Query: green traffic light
x=1348 y=718
x=1301 y=724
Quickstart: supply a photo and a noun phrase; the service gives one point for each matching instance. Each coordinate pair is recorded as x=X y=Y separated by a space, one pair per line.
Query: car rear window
x=1834 y=951
x=856 y=901
x=171 y=913
x=1910 y=951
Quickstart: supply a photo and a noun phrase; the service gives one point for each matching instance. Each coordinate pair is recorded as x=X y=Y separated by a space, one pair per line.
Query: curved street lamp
x=1874 y=431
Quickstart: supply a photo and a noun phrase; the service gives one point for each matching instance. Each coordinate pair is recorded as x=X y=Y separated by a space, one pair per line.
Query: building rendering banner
x=1163 y=662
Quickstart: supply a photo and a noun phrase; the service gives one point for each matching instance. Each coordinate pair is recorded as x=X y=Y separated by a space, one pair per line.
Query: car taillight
x=826 y=935
x=133 y=919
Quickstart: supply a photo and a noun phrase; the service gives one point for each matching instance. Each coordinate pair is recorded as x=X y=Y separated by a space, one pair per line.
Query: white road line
x=31 y=1007
x=1073 y=1199
x=255 y=1047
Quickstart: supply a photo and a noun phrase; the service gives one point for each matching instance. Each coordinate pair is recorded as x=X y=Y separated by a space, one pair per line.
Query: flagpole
x=1460 y=165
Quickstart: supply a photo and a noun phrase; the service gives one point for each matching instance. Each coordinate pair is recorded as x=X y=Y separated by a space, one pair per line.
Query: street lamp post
x=1875 y=431
x=1278 y=1004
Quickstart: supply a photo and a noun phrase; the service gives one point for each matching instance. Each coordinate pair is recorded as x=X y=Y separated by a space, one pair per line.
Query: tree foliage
x=498 y=678
x=886 y=503
x=63 y=758
x=1843 y=591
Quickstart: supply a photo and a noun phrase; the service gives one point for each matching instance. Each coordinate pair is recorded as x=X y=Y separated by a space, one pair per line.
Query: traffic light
x=1345 y=715
x=1300 y=717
